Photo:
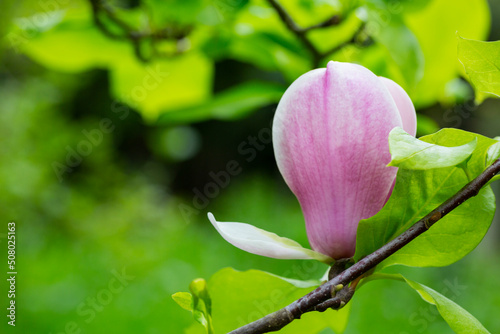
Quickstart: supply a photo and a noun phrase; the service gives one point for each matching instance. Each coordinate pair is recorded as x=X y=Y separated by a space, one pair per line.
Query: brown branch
x=301 y=32
x=279 y=319
x=101 y=8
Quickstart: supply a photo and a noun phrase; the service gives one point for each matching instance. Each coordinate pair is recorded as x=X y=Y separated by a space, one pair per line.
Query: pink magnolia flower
x=330 y=137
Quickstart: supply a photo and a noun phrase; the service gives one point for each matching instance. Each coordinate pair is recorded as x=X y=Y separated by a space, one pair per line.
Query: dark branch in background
x=336 y=291
x=145 y=43
x=103 y=12
x=301 y=33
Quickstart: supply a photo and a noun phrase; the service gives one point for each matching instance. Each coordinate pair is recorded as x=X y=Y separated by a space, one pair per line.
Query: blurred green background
x=104 y=155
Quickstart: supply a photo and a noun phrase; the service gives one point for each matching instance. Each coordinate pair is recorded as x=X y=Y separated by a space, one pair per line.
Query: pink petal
x=404 y=104
x=330 y=136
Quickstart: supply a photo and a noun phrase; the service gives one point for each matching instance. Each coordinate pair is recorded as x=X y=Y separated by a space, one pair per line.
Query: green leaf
x=184 y=299
x=262 y=39
x=241 y=297
x=76 y=45
x=435 y=28
x=410 y=153
x=162 y=85
x=233 y=103
x=457 y=318
x=416 y=193
x=461 y=321
x=401 y=44
x=481 y=61
x=493 y=153
x=426 y=125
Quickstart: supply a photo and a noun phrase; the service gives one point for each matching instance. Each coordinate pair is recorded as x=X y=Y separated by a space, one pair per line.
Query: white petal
x=257 y=241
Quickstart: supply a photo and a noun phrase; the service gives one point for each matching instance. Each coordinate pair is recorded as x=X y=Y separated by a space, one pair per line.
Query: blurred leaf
x=435 y=28
x=455 y=235
x=177 y=11
x=410 y=153
x=165 y=84
x=481 y=61
x=162 y=85
x=241 y=297
x=326 y=39
x=402 y=46
x=461 y=321
x=75 y=47
x=184 y=299
x=233 y=103
x=262 y=39
x=426 y=125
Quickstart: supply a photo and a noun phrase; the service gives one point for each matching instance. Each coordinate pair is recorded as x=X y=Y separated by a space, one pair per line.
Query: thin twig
x=301 y=32
x=277 y=320
x=137 y=37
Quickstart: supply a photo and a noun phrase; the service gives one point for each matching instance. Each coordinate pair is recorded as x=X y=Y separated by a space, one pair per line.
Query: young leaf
x=493 y=153
x=410 y=153
x=416 y=193
x=184 y=299
x=257 y=241
x=239 y=298
x=202 y=304
x=481 y=61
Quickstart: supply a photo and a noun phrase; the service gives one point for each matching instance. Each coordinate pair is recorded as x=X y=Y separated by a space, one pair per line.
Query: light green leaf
x=426 y=125
x=76 y=45
x=262 y=39
x=461 y=321
x=457 y=318
x=410 y=153
x=184 y=299
x=260 y=293
x=481 y=61
x=416 y=193
x=493 y=153
x=162 y=85
x=435 y=28
x=233 y=103
x=401 y=44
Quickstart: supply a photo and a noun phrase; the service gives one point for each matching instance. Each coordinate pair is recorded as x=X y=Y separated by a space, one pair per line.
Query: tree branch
x=301 y=32
x=102 y=8
x=316 y=299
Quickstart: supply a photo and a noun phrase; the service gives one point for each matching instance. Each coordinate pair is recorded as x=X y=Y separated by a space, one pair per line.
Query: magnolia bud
x=330 y=137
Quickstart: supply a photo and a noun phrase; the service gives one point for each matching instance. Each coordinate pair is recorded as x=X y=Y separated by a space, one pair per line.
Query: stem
x=277 y=320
